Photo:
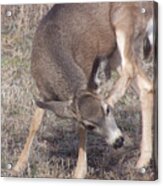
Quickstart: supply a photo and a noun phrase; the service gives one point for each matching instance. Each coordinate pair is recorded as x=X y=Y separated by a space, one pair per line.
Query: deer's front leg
x=81 y=167
x=23 y=159
x=146 y=98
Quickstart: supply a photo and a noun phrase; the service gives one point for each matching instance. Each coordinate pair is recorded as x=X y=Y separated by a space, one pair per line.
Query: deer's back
x=66 y=44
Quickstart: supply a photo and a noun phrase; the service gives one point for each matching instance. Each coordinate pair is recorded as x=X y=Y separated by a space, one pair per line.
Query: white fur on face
x=113 y=132
x=114 y=135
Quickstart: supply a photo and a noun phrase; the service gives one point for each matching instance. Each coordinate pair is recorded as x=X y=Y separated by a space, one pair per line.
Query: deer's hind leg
x=146 y=98
x=23 y=159
x=127 y=67
x=130 y=71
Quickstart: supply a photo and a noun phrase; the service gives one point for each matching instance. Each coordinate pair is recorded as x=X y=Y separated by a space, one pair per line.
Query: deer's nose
x=118 y=143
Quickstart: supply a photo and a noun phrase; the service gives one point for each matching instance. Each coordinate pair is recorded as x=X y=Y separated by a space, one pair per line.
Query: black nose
x=118 y=143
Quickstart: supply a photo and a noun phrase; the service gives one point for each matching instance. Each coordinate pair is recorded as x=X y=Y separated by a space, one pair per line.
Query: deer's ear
x=60 y=108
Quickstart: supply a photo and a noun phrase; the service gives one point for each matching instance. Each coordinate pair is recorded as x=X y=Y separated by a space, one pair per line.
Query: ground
x=54 y=150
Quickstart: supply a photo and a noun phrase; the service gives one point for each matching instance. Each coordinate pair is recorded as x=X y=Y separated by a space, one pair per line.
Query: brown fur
x=68 y=41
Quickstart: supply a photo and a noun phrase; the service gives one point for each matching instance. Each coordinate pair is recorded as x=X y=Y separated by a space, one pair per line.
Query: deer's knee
x=144 y=84
x=146 y=92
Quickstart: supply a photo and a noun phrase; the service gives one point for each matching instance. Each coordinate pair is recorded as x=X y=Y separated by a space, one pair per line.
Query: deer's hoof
x=19 y=168
x=143 y=161
x=79 y=174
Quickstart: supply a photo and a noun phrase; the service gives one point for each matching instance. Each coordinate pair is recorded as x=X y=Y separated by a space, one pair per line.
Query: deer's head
x=92 y=113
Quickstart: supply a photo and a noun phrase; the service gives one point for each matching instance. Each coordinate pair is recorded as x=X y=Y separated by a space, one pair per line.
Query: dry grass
x=54 y=151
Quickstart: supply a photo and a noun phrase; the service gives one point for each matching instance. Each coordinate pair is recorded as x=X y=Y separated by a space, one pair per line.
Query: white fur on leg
x=146 y=98
x=144 y=160
x=23 y=159
x=123 y=82
x=81 y=170
x=81 y=167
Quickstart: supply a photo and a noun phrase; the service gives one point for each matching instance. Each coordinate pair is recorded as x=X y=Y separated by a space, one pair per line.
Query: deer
x=71 y=44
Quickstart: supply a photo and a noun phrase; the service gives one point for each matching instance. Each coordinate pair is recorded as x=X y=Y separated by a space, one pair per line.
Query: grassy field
x=54 y=151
